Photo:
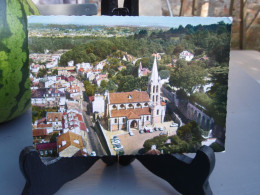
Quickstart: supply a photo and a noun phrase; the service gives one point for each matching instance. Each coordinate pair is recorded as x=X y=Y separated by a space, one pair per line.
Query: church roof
x=128 y=97
x=131 y=113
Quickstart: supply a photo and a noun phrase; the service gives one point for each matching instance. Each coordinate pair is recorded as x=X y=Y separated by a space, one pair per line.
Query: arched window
x=158 y=112
x=153 y=89
x=138 y=105
x=130 y=106
x=157 y=98
x=115 y=120
x=114 y=107
x=147 y=118
x=157 y=87
x=153 y=98
x=146 y=104
x=122 y=106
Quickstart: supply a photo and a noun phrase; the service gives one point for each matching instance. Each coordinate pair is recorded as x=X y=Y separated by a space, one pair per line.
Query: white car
x=161 y=129
x=115 y=142
x=93 y=153
x=131 y=133
x=174 y=125
x=118 y=148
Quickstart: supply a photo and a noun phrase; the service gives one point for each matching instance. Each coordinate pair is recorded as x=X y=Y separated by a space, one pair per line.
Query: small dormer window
x=129 y=97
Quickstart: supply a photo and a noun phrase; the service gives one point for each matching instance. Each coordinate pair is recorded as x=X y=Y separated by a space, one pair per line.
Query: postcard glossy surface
x=128 y=85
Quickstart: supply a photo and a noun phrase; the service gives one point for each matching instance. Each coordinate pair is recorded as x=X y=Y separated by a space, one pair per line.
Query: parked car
x=115 y=142
x=115 y=137
x=174 y=125
x=151 y=130
x=161 y=129
x=141 y=131
x=156 y=128
x=118 y=148
x=93 y=153
x=117 y=145
x=147 y=130
x=131 y=133
x=163 y=133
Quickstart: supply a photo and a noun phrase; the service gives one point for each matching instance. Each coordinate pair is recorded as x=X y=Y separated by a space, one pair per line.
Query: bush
x=217 y=147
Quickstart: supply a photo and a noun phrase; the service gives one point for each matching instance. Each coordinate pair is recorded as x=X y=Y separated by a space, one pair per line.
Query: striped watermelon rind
x=14 y=58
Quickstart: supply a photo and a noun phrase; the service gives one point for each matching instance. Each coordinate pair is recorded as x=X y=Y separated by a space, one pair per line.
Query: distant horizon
x=140 y=21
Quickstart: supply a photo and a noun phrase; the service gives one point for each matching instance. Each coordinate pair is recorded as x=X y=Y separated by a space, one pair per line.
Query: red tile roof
x=39 y=132
x=83 y=127
x=128 y=97
x=46 y=146
x=44 y=125
x=131 y=113
x=163 y=103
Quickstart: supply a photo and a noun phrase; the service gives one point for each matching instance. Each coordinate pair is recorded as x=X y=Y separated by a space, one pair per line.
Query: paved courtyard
x=134 y=143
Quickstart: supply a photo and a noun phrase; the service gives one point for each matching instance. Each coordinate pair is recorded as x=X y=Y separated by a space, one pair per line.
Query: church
x=135 y=109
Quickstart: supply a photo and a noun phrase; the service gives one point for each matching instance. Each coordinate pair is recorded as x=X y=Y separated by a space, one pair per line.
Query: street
x=93 y=143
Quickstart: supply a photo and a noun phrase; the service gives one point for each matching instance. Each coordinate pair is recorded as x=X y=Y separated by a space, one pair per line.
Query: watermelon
x=14 y=57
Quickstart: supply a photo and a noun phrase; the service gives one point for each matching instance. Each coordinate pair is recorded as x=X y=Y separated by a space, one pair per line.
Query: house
x=71 y=63
x=55 y=118
x=47 y=149
x=99 y=78
x=73 y=91
x=136 y=109
x=69 y=144
x=98 y=104
x=143 y=71
x=39 y=134
x=186 y=55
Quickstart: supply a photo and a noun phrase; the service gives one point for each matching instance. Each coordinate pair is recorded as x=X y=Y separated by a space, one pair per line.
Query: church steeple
x=154 y=85
x=154 y=76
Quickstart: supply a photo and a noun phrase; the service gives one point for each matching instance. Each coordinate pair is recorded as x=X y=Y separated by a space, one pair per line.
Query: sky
x=162 y=21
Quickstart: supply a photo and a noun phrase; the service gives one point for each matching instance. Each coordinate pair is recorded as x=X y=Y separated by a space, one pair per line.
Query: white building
x=98 y=105
x=186 y=55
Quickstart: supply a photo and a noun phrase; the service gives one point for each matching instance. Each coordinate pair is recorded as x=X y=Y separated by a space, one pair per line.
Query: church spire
x=154 y=76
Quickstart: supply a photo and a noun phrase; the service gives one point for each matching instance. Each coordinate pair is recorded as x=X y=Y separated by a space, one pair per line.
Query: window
x=146 y=104
x=41 y=153
x=130 y=106
x=153 y=89
x=63 y=143
x=114 y=107
x=115 y=120
x=123 y=120
x=46 y=152
x=153 y=98
x=76 y=141
x=157 y=88
x=157 y=112
x=122 y=106
x=138 y=105
x=157 y=98
x=147 y=118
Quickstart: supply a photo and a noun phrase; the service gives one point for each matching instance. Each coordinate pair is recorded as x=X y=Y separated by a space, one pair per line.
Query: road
x=92 y=137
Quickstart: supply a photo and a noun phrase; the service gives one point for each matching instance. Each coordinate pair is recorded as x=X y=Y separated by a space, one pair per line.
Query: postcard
x=128 y=85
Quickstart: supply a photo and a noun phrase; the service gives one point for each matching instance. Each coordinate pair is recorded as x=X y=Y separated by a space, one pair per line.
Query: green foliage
x=188 y=78
x=217 y=147
x=89 y=88
x=159 y=141
x=103 y=84
x=38 y=112
x=53 y=137
x=42 y=72
x=111 y=86
x=164 y=74
x=190 y=132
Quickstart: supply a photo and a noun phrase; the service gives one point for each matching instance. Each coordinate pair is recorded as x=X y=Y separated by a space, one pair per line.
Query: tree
x=53 y=137
x=111 y=86
x=89 y=88
x=164 y=74
x=42 y=72
x=103 y=84
x=188 y=78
